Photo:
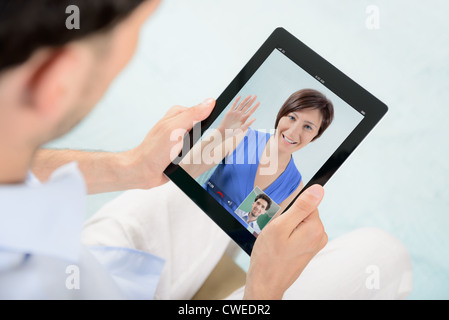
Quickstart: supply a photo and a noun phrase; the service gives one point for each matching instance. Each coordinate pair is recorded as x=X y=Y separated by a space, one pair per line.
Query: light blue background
x=396 y=180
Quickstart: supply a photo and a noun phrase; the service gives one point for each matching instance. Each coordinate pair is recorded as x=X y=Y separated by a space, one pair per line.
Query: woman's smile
x=288 y=140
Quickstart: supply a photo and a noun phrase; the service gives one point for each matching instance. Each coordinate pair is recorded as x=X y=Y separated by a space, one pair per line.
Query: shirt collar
x=44 y=218
x=245 y=216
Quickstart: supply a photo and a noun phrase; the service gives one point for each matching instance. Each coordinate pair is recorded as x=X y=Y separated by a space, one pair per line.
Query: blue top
x=233 y=179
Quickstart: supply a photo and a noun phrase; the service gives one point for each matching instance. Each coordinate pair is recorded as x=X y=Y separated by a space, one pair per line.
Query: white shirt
x=245 y=215
x=41 y=254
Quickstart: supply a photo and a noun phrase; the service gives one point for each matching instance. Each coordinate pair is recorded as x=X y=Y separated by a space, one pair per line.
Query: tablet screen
x=270 y=141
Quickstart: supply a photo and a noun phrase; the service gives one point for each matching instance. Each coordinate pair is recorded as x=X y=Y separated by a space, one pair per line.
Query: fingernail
x=316 y=191
x=207 y=103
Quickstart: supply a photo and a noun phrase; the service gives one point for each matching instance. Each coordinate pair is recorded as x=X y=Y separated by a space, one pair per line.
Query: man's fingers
x=304 y=205
x=175 y=110
x=187 y=118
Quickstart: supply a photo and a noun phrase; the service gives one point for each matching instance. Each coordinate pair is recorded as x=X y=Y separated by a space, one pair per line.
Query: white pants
x=364 y=264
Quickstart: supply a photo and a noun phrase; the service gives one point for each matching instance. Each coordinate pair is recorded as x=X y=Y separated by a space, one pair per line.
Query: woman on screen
x=248 y=158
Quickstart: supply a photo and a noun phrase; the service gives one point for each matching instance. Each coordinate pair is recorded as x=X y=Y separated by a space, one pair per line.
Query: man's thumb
x=306 y=203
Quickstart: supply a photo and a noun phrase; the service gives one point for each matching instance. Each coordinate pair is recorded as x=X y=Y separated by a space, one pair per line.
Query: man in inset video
x=261 y=204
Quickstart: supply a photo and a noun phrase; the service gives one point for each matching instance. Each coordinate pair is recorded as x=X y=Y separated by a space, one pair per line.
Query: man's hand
x=285 y=246
x=159 y=148
x=139 y=168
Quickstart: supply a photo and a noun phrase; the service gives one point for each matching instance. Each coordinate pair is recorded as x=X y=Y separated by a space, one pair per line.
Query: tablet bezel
x=349 y=91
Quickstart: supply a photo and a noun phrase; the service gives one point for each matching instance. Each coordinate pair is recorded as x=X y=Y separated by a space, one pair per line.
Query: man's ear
x=56 y=80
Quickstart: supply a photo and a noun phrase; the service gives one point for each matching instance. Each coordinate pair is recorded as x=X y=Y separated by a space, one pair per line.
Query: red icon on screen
x=221 y=194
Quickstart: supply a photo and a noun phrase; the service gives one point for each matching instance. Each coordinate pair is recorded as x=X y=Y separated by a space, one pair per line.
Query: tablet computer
x=288 y=120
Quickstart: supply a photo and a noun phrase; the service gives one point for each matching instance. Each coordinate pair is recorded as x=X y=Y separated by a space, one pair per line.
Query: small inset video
x=257 y=210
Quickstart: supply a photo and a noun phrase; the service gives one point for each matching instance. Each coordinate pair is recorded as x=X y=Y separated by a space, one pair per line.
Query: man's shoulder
x=241 y=213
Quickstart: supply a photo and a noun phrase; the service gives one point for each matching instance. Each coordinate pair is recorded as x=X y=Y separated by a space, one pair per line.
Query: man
x=261 y=204
x=50 y=78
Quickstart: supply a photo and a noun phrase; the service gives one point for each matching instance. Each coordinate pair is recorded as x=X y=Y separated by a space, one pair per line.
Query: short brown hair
x=308 y=99
x=263 y=196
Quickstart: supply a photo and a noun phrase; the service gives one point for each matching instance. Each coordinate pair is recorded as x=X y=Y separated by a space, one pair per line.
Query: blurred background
x=397 y=179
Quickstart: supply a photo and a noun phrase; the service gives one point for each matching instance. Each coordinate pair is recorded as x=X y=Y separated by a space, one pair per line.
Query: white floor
x=397 y=179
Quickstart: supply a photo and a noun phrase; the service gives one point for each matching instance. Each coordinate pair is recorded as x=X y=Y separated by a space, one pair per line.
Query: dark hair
x=263 y=196
x=308 y=99
x=27 y=25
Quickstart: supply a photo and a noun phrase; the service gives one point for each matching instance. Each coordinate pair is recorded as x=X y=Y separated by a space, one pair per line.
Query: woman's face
x=296 y=129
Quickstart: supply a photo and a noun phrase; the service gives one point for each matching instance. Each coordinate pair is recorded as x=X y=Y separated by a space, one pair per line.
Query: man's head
x=260 y=205
x=50 y=76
